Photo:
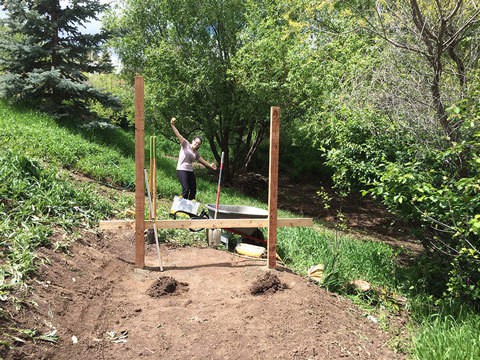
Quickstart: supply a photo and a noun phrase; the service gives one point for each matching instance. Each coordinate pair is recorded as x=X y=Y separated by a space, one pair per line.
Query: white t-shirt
x=186 y=157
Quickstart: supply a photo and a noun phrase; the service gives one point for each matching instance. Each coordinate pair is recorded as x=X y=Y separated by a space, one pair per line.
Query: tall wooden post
x=139 y=175
x=273 y=187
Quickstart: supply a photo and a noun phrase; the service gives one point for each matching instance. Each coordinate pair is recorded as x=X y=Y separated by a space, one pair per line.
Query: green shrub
x=440 y=193
x=356 y=145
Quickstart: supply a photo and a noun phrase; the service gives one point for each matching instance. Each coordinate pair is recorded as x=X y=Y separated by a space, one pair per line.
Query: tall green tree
x=185 y=50
x=45 y=55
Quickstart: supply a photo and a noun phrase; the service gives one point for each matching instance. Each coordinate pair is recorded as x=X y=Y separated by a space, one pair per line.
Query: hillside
x=70 y=291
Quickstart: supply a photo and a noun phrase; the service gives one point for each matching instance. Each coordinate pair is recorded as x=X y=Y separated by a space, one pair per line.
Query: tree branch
x=465 y=26
x=421 y=23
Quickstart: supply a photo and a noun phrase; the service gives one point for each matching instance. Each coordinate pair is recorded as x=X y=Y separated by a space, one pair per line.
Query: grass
x=445 y=330
x=447 y=338
x=36 y=199
x=351 y=259
x=38 y=195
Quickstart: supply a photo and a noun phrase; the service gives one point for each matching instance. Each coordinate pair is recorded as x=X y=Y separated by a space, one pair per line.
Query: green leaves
x=186 y=52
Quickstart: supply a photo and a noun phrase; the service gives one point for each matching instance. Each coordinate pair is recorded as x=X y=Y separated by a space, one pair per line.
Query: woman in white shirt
x=188 y=154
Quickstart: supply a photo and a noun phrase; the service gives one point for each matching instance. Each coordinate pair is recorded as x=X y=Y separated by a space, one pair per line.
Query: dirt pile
x=166 y=286
x=267 y=284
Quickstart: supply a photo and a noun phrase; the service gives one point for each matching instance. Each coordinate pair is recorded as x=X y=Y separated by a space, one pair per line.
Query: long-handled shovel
x=216 y=233
x=218 y=188
x=154 y=220
x=152 y=181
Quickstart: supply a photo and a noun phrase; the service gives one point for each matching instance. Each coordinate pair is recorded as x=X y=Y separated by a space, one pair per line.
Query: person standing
x=188 y=154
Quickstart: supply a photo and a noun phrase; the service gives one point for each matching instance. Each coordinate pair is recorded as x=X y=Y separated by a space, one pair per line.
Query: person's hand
x=172 y=121
x=213 y=166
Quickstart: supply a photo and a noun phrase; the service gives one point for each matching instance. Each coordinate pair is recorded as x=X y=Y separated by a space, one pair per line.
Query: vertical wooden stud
x=273 y=187
x=150 y=175
x=154 y=185
x=139 y=173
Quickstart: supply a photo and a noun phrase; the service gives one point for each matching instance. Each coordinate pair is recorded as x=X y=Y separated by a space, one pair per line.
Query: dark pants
x=189 y=184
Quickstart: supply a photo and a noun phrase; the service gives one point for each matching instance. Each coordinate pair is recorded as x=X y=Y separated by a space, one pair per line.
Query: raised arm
x=211 y=166
x=177 y=133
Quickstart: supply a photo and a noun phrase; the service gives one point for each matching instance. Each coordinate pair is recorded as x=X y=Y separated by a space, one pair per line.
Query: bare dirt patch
x=99 y=305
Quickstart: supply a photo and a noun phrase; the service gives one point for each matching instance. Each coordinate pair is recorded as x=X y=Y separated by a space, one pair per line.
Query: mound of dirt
x=166 y=286
x=267 y=284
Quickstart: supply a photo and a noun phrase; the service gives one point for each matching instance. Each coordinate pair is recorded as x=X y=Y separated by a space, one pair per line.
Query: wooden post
x=273 y=187
x=150 y=173
x=154 y=177
x=139 y=173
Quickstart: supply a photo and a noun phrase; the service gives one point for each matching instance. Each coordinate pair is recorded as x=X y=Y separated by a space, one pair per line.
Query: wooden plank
x=205 y=224
x=273 y=187
x=139 y=176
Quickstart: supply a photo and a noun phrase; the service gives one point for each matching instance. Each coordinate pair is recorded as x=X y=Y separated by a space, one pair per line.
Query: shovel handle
x=218 y=188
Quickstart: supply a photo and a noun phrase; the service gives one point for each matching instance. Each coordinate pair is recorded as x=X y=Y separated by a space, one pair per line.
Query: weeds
x=35 y=198
x=447 y=337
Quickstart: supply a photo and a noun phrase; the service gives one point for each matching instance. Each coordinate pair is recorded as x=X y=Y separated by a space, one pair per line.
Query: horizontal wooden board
x=204 y=223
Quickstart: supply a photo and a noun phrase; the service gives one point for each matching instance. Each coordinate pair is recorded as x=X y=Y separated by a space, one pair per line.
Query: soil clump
x=267 y=284
x=166 y=286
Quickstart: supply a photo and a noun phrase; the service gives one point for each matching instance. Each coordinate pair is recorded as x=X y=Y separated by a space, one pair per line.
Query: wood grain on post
x=139 y=175
x=273 y=187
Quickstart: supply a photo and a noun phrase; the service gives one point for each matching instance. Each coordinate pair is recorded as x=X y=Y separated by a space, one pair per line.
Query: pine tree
x=45 y=56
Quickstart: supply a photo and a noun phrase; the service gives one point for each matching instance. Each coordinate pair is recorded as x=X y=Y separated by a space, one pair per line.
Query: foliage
x=442 y=37
x=185 y=51
x=114 y=84
x=45 y=55
x=441 y=193
x=368 y=116
x=357 y=144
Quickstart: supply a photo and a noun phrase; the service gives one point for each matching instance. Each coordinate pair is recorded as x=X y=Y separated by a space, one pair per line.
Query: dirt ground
x=206 y=304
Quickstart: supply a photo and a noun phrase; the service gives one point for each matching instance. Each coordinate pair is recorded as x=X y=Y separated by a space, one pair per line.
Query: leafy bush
x=113 y=83
x=356 y=145
x=435 y=189
x=441 y=193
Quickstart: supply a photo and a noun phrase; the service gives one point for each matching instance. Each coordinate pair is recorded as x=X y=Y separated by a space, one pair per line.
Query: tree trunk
x=434 y=42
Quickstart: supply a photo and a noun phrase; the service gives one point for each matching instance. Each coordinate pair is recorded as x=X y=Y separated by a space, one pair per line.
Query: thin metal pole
x=154 y=221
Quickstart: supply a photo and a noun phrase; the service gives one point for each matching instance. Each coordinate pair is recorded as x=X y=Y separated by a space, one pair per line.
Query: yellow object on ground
x=316 y=272
x=250 y=250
